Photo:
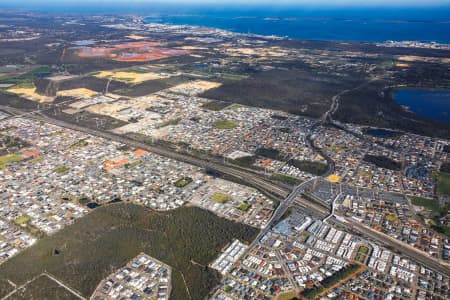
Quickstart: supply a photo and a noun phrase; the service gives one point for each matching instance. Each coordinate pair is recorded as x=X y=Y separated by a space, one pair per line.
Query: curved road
x=256 y=181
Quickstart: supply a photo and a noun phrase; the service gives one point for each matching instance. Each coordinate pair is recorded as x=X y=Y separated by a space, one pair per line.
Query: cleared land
x=110 y=236
x=430 y=204
x=30 y=93
x=81 y=93
x=131 y=76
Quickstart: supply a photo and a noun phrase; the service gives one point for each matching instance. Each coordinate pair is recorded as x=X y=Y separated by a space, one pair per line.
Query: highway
x=247 y=177
x=280 y=211
x=262 y=184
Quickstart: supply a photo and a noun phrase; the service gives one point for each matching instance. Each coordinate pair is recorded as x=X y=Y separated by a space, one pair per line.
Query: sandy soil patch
x=107 y=109
x=81 y=93
x=136 y=37
x=30 y=94
x=131 y=77
x=334 y=178
x=260 y=52
x=412 y=58
x=58 y=78
x=71 y=111
x=193 y=88
x=192 y=48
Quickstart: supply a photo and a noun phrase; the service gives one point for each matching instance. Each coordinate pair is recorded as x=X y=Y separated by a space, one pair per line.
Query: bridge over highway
x=263 y=184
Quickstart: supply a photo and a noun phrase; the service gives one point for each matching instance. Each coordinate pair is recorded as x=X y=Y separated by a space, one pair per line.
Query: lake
x=432 y=104
x=382 y=133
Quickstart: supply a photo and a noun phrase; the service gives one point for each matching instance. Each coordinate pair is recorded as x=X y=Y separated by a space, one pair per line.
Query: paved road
x=250 y=178
x=280 y=211
x=256 y=181
x=390 y=242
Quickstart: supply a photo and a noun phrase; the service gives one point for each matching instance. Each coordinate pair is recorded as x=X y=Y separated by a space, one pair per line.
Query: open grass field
x=245 y=206
x=225 y=124
x=287 y=295
x=22 y=220
x=391 y=217
x=9 y=158
x=183 y=182
x=430 y=204
x=215 y=105
x=443 y=184
x=111 y=235
x=337 y=148
x=362 y=254
x=79 y=144
x=220 y=198
x=61 y=169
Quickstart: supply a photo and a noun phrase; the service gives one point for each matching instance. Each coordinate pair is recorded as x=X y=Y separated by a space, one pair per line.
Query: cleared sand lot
x=131 y=77
x=30 y=94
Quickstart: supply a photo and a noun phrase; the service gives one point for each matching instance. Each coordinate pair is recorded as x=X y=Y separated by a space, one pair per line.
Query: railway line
x=286 y=196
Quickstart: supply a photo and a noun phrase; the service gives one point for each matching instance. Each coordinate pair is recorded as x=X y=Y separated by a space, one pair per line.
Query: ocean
x=370 y=24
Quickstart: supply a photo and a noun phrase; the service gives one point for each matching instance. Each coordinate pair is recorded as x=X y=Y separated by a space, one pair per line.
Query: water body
x=433 y=104
x=92 y=205
x=330 y=27
x=303 y=21
x=383 y=133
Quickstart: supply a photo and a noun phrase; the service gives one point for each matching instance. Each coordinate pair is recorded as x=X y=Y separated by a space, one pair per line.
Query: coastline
x=335 y=29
